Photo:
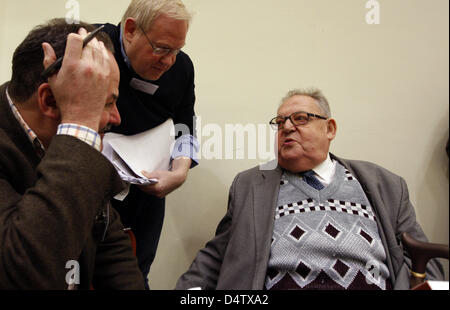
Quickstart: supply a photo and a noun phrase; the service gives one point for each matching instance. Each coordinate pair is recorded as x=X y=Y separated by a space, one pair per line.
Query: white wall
x=387 y=85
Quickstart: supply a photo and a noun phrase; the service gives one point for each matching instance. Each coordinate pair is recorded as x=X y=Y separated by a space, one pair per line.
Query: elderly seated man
x=316 y=221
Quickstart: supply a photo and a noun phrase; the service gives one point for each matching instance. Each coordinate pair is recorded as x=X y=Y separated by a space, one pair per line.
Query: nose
x=114 y=116
x=168 y=60
x=288 y=125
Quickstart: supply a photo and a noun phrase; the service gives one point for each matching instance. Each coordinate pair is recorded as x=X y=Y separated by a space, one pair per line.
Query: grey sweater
x=325 y=239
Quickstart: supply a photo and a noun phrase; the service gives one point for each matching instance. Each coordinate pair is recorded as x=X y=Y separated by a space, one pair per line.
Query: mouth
x=289 y=141
x=160 y=69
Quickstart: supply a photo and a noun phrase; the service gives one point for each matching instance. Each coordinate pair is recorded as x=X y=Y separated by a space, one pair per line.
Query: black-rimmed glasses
x=299 y=118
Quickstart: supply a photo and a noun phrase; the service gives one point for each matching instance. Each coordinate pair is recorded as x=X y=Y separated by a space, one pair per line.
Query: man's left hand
x=168 y=181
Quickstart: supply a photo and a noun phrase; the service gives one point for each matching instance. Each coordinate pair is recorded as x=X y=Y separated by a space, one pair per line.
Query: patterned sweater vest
x=325 y=239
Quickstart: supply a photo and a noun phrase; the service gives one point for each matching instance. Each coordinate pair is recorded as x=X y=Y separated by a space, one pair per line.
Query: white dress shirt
x=325 y=171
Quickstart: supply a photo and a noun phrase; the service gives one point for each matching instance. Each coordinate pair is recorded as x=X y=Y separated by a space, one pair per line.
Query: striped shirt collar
x=83 y=133
x=37 y=144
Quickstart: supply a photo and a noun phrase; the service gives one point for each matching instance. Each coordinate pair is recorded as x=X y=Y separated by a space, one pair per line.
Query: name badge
x=143 y=86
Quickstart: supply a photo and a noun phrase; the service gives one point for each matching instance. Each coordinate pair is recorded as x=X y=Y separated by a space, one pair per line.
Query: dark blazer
x=56 y=209
x=238 y=255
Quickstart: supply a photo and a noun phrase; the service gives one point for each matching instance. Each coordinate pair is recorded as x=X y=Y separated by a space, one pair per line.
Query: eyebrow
x=164 y=45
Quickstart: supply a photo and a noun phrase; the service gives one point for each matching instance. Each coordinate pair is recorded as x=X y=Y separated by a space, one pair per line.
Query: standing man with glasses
x=156 y=83
x=316 y=221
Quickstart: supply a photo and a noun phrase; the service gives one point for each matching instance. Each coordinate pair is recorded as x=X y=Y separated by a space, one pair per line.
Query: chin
x=294 y=163
x=290 y=155
x=294 y=166
x=153 y=76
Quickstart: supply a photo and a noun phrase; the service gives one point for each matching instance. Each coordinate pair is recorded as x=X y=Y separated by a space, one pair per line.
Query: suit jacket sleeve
x=205 y=270
x=45 y=227
x=390 y=197
x=406 y=222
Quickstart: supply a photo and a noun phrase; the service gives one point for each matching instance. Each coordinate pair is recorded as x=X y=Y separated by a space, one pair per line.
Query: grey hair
x=314 y=93
x=146 y=11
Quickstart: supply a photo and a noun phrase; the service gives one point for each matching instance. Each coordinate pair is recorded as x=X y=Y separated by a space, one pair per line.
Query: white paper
x=150 y=151
x=439 y=285
x=123 y=194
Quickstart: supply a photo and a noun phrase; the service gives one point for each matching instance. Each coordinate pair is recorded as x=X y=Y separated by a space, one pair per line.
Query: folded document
x=150 y=151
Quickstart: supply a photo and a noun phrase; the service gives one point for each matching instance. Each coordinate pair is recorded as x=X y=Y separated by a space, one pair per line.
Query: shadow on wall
x=207 y=210
x=192 y=215
x=434 y=183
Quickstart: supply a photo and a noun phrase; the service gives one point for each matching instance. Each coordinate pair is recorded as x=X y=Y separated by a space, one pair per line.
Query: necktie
x=309 y=178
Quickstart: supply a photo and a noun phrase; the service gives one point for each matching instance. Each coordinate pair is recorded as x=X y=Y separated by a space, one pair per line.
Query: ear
x=331 y=129
x=47 y=102
x=130 y=29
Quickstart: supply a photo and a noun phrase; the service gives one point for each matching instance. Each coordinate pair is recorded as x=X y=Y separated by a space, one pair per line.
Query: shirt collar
x=122 y=49
x=28 y=131
x=325 y=171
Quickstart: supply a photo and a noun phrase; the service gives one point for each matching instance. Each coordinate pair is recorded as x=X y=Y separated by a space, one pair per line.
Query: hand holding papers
x=150 y=151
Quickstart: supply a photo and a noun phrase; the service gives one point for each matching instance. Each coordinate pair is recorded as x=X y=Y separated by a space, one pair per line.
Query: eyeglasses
x=160 y=51
x=299 y=118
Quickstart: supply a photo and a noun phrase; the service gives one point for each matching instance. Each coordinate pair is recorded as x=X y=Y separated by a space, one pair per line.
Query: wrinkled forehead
x=298 y=103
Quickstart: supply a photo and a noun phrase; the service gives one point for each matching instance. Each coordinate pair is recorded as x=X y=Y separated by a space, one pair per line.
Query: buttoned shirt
x=325 y=171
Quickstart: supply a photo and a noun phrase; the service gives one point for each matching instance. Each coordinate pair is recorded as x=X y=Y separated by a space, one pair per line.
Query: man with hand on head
x=156 y=83
x=57 y=228
x=316 y=221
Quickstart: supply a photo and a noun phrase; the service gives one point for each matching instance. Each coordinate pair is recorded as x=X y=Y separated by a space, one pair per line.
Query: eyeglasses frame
x=159 y=51
x=273 y=124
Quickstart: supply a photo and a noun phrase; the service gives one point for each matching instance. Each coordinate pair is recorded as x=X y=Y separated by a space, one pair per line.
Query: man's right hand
x=80 y=86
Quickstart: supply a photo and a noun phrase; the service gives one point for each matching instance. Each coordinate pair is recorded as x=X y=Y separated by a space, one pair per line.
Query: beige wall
x=387 y=85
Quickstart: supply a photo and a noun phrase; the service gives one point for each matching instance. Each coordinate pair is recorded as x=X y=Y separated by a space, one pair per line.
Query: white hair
x=314 y=93
x=146 y=11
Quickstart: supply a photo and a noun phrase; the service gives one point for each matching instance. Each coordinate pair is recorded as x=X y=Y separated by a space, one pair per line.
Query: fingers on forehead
x=74 y=47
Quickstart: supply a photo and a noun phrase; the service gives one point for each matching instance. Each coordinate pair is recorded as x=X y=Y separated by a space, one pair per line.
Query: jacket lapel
x=265 y=193
x=9 y=123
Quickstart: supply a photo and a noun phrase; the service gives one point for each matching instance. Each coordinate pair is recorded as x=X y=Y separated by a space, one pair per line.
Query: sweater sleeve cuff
x=186 y=146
